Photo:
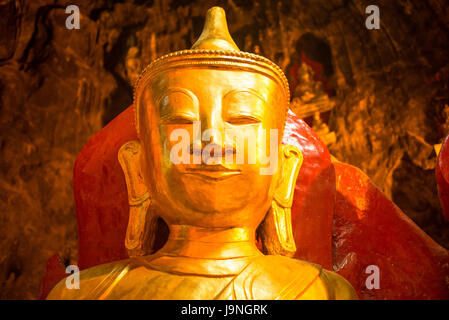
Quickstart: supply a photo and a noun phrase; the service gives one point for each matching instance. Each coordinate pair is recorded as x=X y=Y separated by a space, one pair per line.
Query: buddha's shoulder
x=278 y=277
x=277 y=262
x=338 y=287
x=90 y=280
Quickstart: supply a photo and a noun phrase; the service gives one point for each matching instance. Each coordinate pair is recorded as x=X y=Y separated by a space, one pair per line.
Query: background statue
x=309 y=99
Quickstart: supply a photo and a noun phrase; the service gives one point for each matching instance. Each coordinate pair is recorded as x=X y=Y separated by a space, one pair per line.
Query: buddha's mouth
x=212 y=172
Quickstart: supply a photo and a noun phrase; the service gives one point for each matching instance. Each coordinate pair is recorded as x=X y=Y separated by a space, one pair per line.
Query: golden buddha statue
x=212 y=206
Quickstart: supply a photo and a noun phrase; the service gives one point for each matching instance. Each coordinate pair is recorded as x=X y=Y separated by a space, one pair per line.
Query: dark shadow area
x=425 y=210
x=316 y=49
x=122 y=97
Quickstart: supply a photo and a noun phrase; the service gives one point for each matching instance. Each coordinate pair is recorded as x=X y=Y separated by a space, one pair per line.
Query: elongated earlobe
x=276 y=229
x=141 y=231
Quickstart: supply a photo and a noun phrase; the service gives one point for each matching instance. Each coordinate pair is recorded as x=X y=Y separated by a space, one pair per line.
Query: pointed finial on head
x=215 y=35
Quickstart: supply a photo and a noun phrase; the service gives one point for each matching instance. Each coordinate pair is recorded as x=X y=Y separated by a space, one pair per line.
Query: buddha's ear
x=140 y=234
x=276 y=229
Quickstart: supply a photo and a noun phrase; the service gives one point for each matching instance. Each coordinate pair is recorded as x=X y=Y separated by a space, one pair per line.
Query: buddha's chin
x=220 y=194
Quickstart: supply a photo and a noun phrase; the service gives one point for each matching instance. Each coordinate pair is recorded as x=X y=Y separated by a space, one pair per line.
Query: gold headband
x=215 y=48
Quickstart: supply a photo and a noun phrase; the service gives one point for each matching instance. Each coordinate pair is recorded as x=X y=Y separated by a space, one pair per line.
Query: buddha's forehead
x=208 y=81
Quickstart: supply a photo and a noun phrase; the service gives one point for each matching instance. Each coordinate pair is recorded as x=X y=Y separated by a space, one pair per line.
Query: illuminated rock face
x=58 y=88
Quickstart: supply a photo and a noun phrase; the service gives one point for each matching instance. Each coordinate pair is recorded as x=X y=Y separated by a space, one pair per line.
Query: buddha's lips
x=213 y=172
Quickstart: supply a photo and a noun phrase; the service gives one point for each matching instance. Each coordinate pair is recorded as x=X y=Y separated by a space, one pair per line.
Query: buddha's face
x=192 y=121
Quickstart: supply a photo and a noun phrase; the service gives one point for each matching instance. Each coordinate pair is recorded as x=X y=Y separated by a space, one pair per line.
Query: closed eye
x=242 y=120
x=178 y=119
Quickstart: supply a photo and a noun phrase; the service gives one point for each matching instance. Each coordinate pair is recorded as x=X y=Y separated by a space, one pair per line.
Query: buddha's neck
x=210 y=243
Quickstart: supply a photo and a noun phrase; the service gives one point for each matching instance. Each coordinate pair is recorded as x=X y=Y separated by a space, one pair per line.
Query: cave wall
x=58 y=87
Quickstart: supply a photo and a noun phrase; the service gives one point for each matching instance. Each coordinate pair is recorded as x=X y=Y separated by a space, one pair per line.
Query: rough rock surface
x=58 y=87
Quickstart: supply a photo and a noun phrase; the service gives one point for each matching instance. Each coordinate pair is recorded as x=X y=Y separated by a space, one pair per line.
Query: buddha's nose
x=214 y=139
x=212 y=146
x=212 y=128
x=213 y=150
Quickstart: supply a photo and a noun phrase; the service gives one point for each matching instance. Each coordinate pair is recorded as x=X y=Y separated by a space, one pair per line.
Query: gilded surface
x=212 y=207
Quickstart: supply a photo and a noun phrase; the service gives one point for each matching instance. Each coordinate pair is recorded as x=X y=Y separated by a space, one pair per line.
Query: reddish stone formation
x=369 y=229
x=54 y=272
x=340 y=218
x=101 y=200
x=313 y=202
